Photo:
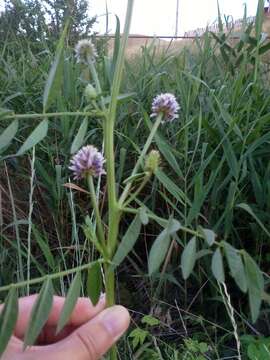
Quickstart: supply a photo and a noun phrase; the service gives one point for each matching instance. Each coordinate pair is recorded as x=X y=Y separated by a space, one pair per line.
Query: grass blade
x=70 y=302
x=8 y=134
x=8 y=318
x=40 y=313
x=35 y=137
x=128 y=241
x=188 y=258
x=160 y=246
x=94 y=283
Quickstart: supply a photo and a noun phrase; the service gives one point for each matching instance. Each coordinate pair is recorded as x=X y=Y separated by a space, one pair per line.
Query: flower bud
x=90 y=93
x=152 y=161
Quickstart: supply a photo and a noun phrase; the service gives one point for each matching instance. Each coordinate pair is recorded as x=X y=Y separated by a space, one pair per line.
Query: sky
x=157 y=17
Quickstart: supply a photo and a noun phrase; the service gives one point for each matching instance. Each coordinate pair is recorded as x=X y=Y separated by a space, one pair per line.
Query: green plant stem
x=47 y=115
x=97 y=82
x=51 y=276
x=163 y=222
x=100 y=229
x=20 y=274
x=137 y=192
x=109 y=123
x=141 y=157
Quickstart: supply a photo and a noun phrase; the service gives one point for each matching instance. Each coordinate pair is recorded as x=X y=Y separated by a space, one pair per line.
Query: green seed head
x=152 y=161
x=90 y=92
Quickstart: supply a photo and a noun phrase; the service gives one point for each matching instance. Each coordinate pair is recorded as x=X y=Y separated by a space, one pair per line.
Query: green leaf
x=150 y=320
x=40 y=313
x=259 y=19
x=128 y=241
x=8 y=318
x=79 y=138
x=161 y=244
x=53 y=82
x=44 y=246
x=236 y=266
x=209 y=236
x=94 y=283
x=116 y=45
x=70 y=302
x=255 y=284
x=8 y=134
x=138 y=336
x=188 y=258
x=172 y=188
x=248 y=209
x=217 y=266
x=35 y=137
x=143 y=215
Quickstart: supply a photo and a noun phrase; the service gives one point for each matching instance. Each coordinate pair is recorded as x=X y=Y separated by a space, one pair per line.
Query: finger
x=14 y=348
x=91 y=340
x=83 y=312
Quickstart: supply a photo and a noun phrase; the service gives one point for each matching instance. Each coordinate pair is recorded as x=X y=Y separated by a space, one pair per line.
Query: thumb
x=93 y=339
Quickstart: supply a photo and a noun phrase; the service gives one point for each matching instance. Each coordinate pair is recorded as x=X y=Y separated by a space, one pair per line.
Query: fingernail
x=116 y=320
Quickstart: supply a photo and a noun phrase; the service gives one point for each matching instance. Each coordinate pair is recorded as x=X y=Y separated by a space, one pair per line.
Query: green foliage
x=161 y=245
x=70 y=302
x=193 y=349
x=138 y=337
x=128 y=241
x=40 y=313
x=8 y=318
x=256 y=347
x=44 y=20
x=188 y=258
x=94 y=283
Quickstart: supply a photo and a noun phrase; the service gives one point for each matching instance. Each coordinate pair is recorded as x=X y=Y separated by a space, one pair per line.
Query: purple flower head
x=87 y=161
x=167 y=105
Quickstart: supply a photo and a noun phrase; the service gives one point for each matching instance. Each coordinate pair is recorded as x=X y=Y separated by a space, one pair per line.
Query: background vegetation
x=215 y=175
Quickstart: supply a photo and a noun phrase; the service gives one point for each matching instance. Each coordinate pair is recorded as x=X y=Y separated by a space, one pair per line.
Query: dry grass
x=136 y=44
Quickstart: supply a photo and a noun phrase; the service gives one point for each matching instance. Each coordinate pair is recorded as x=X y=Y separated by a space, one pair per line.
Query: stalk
x=97 y=82
x=141 y=157
x=113 y=207
x=54 y=114
x=100 y=230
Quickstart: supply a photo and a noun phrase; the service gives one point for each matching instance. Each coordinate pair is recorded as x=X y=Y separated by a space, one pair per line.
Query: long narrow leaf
x=161 y=244
x=70 y=302
x=79 y=138
x=40 y=313
x=94 y=283
x=188 y=258
x=8 y=318
x=35 y=137
x=128 y=241
x=55 y=75
x=8 y=134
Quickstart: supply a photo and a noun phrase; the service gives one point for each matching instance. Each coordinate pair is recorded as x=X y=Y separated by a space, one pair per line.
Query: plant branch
x=141 y=157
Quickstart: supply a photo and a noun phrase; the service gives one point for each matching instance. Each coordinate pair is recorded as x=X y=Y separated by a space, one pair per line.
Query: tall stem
x=109 y=122
x=141 y=157
x=114 y=213
x=97 y=82
x=100 y=229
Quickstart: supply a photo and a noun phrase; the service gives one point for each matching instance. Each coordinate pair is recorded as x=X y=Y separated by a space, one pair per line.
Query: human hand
x=89 y=334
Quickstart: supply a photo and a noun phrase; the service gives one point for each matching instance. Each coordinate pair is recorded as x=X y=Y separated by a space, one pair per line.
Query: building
x=267 y=7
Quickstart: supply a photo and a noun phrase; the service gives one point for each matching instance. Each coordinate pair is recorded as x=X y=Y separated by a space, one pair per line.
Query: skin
x=89 y=334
